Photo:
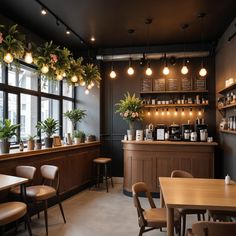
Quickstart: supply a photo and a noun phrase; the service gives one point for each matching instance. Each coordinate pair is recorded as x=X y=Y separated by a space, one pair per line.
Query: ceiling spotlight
x=67 y=31
x=92 y=39
x=43 y=11
x=130 y=70
x=148 y=70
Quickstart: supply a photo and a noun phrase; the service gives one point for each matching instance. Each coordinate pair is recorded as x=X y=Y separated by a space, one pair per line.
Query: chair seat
x=40 y=192
x=156 y=217
x=102 y=160
x=11 y=211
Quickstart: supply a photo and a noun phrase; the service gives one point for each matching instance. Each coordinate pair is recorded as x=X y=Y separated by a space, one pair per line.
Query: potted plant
x=75 y=116
x=130 y=109
x=79 y=137
x=48 y=127
x=31 y=142
x=7 y=131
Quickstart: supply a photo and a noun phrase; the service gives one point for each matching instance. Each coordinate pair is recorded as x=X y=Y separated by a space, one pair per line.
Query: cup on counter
x=153 y=101
x=210 y=139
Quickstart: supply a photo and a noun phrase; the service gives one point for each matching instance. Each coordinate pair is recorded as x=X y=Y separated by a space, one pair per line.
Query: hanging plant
x=91 y=75
x=11 y=43
x=76 y=73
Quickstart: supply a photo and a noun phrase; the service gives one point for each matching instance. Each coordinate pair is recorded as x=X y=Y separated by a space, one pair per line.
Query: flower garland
x=53 y=62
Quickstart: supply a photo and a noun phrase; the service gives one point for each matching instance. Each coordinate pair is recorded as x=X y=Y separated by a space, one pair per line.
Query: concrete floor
x=93 y=213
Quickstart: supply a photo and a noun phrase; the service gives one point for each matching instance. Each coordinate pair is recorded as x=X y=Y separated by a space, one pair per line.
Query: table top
x=8 y=181
x=198 y=193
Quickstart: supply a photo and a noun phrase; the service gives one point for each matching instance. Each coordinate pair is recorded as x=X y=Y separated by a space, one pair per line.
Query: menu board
x=186 y=84
x=200 y=83
x=159 y=84
x=172 y=84
x=146 y=85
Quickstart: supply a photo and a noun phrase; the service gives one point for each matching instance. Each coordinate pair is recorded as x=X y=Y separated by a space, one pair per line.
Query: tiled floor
x=93 y=213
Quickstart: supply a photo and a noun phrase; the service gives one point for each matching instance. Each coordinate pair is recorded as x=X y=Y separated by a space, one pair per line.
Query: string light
x=130 y=70
x=149 y=113
x=45 y=69
x=8 y=58
x=148 y=70
x=167 y=112
x=43 y=11
x=191 y=112
x=162 y=113
x=157 y=112
x=176 y=112
x=74 y=79
x=28 y=57
x=86 y=91
x=199 y=112
x=183 y=113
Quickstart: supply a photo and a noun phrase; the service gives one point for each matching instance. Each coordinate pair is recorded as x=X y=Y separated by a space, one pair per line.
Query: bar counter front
x=148 y=160
x=74 y=162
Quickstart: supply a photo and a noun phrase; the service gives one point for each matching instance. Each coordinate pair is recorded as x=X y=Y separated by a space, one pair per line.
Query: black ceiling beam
x=58 y=19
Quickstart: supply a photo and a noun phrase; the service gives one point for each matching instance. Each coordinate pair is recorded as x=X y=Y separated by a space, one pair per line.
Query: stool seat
x=102 y=160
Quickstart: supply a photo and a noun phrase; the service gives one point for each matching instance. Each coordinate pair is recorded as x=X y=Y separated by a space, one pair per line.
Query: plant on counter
x=75 y=116
x=130 y=109
x=7 y=131
x=48 y=127
x=79 y=136
x=31 y=142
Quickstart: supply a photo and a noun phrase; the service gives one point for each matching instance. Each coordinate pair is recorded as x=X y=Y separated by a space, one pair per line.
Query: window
x=67 y=90
x=67 y=125
x=12 y=111
x=1 y=76
x=50 y=86
x=49 y=108
x=28 y=116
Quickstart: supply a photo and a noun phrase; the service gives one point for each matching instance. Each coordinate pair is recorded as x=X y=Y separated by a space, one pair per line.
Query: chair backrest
x=214 y=228
x=26 y=172
x=50 y=173
x=181 y=174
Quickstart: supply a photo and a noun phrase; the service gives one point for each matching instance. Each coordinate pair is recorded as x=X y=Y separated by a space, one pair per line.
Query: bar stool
x=103 y=162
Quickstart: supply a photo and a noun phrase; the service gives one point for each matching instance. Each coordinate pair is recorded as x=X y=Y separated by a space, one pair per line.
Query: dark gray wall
x=113 y=127
x=225 y=69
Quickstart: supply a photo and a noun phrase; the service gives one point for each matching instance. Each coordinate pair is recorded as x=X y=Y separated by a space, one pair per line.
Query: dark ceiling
x=109 y=20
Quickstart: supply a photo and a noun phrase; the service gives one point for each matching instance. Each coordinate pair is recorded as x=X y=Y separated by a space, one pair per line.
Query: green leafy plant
x=91 y=75
x=7 y=130
x=31 y=137
x=79 y=134
x=130 y=108
x=75 y=116
x=76 y=70
x=48 y=126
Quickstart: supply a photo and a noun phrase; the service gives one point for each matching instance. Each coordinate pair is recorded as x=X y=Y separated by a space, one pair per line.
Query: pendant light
x=130 y=70
x=112 y=73
x=148 y=71
x=184 y=69
x=8 y=58
x=28 y=55
x=202 y=71
x=165 y=70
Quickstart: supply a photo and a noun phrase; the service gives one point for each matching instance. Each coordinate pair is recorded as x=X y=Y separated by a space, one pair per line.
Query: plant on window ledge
x=11 y=44
x=75 y=116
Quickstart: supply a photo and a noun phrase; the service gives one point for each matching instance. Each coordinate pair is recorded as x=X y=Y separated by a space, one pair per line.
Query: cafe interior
x=117 y=117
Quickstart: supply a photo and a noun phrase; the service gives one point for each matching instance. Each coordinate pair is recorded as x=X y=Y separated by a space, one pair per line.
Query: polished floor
x=93 y=213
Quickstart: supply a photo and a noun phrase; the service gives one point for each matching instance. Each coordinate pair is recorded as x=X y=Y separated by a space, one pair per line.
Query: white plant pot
x=77 y=140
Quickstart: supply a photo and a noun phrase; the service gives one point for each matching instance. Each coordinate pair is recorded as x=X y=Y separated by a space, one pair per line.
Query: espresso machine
x=174 y=132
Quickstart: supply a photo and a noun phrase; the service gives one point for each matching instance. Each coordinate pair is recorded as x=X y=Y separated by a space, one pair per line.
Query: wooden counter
x=148 y=160
x=74 y=162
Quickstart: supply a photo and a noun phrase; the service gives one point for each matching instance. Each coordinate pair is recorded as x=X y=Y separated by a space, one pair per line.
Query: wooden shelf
x=174 y=92
x=174 y=105
x=227 y=89
x=227 y=106
x=228 y=131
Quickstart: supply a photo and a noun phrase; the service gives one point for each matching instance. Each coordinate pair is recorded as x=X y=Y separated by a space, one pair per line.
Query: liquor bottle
x=21 y=146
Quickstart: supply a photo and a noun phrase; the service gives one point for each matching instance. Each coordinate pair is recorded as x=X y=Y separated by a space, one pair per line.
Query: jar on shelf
x=223 y=124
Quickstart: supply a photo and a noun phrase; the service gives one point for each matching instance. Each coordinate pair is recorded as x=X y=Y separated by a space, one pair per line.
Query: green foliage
x=130 y=108
x=79 y=134
x=75 y=115
x=7 y=130
x=31 y=137
x=91 y=74
x=48 y=126
x=76 y=69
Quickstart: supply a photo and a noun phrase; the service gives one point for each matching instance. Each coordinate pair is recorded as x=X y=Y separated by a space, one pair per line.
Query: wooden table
x=196 y=193
x=8 y=181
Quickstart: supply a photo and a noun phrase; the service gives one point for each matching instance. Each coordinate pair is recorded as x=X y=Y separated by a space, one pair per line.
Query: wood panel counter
x=74 y=162
x=148 y=160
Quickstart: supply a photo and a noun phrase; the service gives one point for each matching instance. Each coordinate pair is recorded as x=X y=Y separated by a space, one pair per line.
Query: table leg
x=170 y=221
x=162 y=202
x=23 y=192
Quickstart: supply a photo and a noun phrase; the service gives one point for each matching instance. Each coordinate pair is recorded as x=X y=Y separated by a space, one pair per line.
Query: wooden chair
x=212 y=229
x=153 y=218
x=217 y=215
x=13 y=211
x=184 y=212
x=48 y=189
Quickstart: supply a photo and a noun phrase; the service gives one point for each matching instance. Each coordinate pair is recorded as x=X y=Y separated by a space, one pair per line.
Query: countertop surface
x=170 y=143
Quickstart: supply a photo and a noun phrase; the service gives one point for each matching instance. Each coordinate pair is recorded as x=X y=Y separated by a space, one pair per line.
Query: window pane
x=50 y=86
x=1 y=73
x=12 y=76
x=12 y=111
x=67 y=89
x=1 y=106
x=28 y=117
x=67 y=125
x=49 y=108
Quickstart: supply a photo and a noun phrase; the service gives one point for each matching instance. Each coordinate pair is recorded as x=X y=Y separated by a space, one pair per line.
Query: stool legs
x=105 y=167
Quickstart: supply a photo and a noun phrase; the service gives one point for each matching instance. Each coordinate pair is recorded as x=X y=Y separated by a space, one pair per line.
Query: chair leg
x=27 y=222
x=184 y=224
x=61 y=209
x=203 y=216
x=198 y=217
x=111 y=176
x=105 y=166
x=141 y=230
x=98 y=175
x=46 y=215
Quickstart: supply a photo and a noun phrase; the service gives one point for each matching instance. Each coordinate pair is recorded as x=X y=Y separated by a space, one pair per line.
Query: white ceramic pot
x=77 y=140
